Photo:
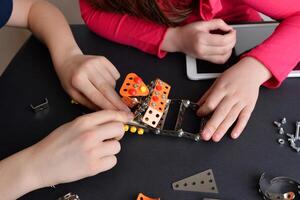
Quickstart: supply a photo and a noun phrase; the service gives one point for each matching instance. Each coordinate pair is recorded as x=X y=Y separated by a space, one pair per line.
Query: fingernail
x=217 y=137
x=206 y=134
x=234 y=135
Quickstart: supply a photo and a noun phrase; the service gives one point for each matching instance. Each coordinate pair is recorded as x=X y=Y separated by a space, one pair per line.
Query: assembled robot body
x=151 y=105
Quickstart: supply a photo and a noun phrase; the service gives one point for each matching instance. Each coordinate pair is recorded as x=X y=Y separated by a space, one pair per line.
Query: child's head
x=165 y=12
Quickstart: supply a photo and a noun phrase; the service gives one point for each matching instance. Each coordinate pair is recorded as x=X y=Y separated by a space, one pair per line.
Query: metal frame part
x=201 y=182
x=178 y=130
x=271 y=188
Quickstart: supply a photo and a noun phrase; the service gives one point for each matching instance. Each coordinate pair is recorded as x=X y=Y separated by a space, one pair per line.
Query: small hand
x=79 y=149
x=232 y=98
x=91 y=80
x=197 y=40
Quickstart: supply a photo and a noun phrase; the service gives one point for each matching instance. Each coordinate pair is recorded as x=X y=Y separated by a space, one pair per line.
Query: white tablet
x=248 y=36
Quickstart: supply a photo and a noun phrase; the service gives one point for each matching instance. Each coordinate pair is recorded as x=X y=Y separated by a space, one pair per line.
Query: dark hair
x=167 y=14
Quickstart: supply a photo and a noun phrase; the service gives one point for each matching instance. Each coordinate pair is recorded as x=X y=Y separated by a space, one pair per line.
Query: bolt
x=297 y=136
x=278 y=124
x=281 y=131
x=283 y=121
x=290 y=135
x=197 y=138
x=180 y=133
x=281 y=141
x=157 y=131
x=186 y=103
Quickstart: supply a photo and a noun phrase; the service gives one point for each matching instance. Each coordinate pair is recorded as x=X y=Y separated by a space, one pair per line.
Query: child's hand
x=91 y=80
x=79 y=149
x=232 y=97
x=197 y=40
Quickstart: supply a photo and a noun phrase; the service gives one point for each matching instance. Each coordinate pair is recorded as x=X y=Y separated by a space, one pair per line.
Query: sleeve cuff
x=276 y=80
x=161 y=53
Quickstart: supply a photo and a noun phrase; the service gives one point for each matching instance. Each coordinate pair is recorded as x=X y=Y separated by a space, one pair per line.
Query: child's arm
x=193 y=39
x=233 y=95
x=139 y=33
x=280 y=53
x=90 y=80
x=79 y=149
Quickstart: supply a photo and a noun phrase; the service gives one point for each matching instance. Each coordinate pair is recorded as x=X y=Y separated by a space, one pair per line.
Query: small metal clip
x=40 y=107
x=69 y=196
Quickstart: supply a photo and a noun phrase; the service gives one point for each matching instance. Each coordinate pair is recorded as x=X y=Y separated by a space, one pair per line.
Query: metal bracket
x=41 y=107
x=201 y=182
x=69 y=196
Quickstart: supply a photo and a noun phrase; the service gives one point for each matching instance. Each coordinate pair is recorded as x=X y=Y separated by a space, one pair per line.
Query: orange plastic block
x=133 y=86
x=144 y=197
x=160 y=95
x=130 y=102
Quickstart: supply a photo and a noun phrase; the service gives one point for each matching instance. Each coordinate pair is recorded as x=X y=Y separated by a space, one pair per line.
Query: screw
x=281 y=131
x=186 y=103
x=197 y=138
x=297 y=136
x=278 y=124
x=180 y=133
x=283 y=121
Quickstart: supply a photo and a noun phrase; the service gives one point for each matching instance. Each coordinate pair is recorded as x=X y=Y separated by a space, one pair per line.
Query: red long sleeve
x=125 y=29
x=280 y=53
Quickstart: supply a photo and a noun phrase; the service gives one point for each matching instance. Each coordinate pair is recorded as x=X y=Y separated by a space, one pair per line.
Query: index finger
x=105 y=116
x=111 y=95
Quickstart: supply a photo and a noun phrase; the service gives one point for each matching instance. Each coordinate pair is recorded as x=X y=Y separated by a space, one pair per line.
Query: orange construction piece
x=133 y=86
x=130 y=102
x=160 y=95
x=143 y=197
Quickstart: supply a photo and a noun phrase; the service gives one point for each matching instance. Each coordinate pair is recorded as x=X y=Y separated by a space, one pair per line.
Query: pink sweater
x=280 y=53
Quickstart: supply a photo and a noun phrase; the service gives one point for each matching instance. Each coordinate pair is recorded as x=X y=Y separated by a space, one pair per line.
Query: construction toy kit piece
x=144 y=197
x=279 y=188
x=151 y=105
x=201 y=182
x=293 y=139
x=69 y=196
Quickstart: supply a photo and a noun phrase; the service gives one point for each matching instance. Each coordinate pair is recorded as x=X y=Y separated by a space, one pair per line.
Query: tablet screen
x=208 y=67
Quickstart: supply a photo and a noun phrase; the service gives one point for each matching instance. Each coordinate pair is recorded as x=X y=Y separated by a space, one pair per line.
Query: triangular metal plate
x=201 y=182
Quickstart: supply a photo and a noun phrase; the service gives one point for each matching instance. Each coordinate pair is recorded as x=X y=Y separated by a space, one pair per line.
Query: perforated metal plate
x=202 y=182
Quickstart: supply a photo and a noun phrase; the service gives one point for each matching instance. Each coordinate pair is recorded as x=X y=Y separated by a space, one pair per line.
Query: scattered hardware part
x=297 y=136
x=150 y=105
x=277 y=124
x=283 y=121
x=201 y=182
x=293 y=139
x=281 y=141
x=278 y=188
x=69 y=196
x=281 y=131
x=41 y=107
x=144 y=197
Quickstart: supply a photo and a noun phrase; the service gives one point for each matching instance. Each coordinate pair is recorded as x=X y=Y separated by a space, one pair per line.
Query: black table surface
x=148 y=163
